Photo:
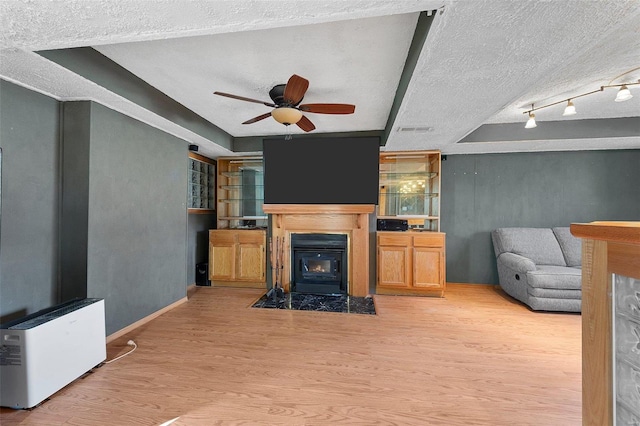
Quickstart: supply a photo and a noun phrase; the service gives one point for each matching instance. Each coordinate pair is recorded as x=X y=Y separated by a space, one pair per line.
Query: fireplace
x=319 y=264
x=351 y=220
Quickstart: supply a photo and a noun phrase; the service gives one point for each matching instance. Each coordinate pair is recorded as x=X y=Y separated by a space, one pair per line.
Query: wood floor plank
x=474 y=357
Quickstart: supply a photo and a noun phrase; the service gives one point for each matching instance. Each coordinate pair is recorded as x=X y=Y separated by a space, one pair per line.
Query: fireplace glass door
x=319 y=263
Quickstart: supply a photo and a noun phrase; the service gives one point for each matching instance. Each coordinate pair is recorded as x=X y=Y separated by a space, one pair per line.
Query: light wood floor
x=475 y=357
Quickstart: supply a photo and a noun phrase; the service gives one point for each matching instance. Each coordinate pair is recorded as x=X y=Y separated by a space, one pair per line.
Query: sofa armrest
x=517 y=263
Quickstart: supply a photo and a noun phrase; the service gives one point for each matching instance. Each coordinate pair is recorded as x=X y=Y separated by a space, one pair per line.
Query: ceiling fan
x=286 y=104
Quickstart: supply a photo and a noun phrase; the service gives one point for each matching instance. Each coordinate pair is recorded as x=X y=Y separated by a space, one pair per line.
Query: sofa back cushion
x=571 y=246
x=537 y=244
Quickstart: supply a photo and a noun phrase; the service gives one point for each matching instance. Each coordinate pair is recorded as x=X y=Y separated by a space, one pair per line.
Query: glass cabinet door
x=410 y=188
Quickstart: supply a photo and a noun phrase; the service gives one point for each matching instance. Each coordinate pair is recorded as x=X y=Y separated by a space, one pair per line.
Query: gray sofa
x=541 y=267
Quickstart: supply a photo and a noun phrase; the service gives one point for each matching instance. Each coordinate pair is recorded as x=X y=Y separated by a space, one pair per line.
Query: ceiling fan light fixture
x=624 y=94
x=570 y=109
x=531 y=122
x=286 y=115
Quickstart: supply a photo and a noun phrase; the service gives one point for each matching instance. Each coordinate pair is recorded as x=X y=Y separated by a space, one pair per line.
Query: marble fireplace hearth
x=349 y=219
x=319 y=303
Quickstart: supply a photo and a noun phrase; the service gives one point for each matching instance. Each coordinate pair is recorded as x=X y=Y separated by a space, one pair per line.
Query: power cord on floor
x=130 y=343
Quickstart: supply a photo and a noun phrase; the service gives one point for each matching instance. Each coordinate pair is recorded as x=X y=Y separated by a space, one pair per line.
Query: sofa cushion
x=571 y=246
x=538 y=244
x=553 y=293
x=554 y=304
x=557 y=277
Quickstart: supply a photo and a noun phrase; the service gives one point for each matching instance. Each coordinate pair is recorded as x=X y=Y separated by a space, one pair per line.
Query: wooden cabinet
x=237 y=248
x=411 y=263
x=237 y=257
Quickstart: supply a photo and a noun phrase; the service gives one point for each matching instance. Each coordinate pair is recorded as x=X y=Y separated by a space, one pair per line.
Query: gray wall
x=136 y=258
x=74 y=220
x=488 y=191
x=30 y=177
x=133 y=202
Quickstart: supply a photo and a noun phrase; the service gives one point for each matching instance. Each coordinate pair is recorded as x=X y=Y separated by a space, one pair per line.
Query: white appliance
x=45 y=351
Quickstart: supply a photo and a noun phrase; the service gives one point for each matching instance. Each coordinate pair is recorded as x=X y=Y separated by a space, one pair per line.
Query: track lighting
x=531 y=122
x=624 y=94
x=570 y=109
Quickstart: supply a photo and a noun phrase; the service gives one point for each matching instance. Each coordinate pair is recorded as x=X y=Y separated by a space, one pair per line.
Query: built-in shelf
x=241 y=193
x=201 y=191
x=409 y=188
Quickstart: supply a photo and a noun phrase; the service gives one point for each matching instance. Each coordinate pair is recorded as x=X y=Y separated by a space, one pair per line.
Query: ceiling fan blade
x=306 y=124
x=242 y=98
x=258 y=118
x=295 y=89
x=328 y=108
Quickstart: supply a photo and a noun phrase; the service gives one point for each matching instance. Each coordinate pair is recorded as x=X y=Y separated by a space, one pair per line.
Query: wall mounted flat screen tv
x=321 y=170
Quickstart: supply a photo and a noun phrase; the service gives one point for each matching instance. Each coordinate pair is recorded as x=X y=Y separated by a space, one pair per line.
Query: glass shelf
x=236 y=200
x=395 y=176
x=410 y=194
x=242 y=187
x=241 y=173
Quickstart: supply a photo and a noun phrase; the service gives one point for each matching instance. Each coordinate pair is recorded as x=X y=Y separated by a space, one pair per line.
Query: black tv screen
x=321 y=170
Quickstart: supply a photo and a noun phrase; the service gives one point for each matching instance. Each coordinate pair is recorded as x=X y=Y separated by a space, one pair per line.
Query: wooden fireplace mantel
x=349 y=219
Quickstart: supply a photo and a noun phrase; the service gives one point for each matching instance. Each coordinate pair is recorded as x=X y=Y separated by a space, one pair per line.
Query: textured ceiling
x=482 y=63
x=357 y=62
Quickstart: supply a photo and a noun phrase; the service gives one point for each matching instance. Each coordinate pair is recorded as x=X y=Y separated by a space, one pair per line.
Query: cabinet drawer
x=251 y=237
x=435 y=239
x=394 y=239
x=222 y=237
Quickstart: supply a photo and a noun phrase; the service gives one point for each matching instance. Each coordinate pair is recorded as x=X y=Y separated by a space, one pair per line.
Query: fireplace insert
x=319 y=263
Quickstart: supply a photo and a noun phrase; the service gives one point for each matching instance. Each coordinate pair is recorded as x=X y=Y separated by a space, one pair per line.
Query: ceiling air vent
x=416 y=129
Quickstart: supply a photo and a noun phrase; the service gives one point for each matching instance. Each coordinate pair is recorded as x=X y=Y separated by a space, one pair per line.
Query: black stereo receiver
x=392 y=225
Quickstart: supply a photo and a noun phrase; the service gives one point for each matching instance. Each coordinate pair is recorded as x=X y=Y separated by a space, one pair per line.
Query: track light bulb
x=624 y=94
x=570 y=109
x=531 y=122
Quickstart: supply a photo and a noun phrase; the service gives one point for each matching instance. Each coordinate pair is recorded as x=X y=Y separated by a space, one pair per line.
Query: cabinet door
x=394 y=266
x=251 y=256
x=221 y=261
x=250 y=263
x=428 y=267
x=222 y=254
